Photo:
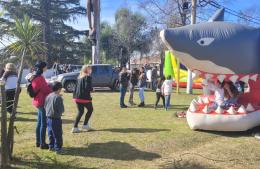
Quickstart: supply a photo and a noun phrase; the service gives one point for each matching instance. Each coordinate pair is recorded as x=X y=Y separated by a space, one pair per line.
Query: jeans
x=141 y=94
x=55 y=133
x=41 y=126
x=154 y=84
x=81 y=107
x=122 y=95
x=131 y=91
x=158 y=96
x=168 y=101
x=10 y=100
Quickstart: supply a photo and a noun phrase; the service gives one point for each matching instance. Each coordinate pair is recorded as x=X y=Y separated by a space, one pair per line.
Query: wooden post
x=96 y=47
x=4 y=150
x=193 y=21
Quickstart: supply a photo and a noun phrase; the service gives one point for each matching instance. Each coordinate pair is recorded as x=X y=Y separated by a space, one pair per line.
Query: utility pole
x=96 y=47
x=193 y=21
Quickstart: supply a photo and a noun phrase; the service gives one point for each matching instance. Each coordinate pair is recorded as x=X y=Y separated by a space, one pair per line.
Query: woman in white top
x=10 y=78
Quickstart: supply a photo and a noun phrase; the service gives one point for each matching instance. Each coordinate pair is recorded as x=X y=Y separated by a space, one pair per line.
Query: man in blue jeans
x=123 y=80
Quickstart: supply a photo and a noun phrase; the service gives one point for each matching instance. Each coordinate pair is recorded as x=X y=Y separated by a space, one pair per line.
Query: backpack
x=30 y=91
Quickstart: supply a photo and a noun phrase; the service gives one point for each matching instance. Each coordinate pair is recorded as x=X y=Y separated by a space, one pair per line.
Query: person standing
x=54 y=108
x=83 y=99
x=142 y=85
x=167 y=91
x=154 y=77
x=159 y=92
x=123 y=80
x=42 y=90
x=10 y=78
x=133 y=83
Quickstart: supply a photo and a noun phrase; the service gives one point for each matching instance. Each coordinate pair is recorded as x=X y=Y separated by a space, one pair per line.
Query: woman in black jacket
x=83 y=99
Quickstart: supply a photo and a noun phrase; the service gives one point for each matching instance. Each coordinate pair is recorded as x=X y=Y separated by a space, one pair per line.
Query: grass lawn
x=133 y=138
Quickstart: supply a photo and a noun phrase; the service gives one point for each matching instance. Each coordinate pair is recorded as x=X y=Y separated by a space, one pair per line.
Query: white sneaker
x=75 y=130
x=86 y=127
x=257 y=135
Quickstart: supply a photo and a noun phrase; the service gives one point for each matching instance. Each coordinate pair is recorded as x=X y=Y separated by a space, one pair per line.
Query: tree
x=132 y=33
x=61 y=40
x=27 y=43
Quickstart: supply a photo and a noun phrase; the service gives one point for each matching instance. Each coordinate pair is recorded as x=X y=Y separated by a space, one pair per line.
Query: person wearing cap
x=10 y=78
x=42 y=89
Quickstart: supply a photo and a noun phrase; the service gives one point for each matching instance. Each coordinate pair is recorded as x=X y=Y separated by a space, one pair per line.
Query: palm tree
x=27 y=43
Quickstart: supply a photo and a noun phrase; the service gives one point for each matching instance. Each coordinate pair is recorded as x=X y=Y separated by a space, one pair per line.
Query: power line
x=204 y=3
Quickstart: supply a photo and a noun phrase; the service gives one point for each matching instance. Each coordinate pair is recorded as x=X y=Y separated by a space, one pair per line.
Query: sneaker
x=59 y=151
x=141 y=104
x=44 y=147
x=123 y=107
x=257 y=135
x=37 y=144
x=51 y=149
x=75 y=130
x=87 y=128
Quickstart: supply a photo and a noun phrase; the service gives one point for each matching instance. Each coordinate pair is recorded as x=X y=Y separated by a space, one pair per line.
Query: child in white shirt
x=218 y=90
x=167 y=91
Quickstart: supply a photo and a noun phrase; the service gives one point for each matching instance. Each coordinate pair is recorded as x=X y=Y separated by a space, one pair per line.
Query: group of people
x=137 y=78
x=48 y=100
x=49 y=103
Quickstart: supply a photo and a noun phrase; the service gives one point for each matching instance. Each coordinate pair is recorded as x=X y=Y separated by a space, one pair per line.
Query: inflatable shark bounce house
x=222 y=51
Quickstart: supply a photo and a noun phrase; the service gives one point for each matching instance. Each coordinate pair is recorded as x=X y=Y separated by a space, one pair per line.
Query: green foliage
x=27 y=38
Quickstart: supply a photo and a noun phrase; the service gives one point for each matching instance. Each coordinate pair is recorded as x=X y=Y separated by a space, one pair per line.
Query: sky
x=109 y=7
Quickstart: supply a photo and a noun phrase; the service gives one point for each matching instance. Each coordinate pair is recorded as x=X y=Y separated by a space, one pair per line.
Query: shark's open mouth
x=248 y=101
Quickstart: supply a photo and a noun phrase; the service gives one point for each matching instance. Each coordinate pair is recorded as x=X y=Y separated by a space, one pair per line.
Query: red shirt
x=41 y=87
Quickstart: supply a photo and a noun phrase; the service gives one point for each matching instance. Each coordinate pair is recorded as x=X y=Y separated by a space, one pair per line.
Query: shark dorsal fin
x=218 y=16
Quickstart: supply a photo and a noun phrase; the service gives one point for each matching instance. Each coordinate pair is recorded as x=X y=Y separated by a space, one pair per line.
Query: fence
x=4 y=147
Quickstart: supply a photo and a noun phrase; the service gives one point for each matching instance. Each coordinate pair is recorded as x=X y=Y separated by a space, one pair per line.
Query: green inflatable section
x=168 y=69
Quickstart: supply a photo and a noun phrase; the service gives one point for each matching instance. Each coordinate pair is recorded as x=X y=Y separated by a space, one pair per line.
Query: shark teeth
x=200 y=100
x=245 y=79
x=208 y=76
x=232 y=110
x=196 y=74
x=250 y=108
x=221 y=78
x=205 y=100
x=234 y=78
x=219 y=110
x=206 y=110
x=254 y=77
x=193 y=107
x=242 y=109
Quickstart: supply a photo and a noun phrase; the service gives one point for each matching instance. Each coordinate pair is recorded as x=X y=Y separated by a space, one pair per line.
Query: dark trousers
x=81 y=107
x=122 y=95
x=55 y=133
x=10 y=100
x=158 y=96
x=41 y=126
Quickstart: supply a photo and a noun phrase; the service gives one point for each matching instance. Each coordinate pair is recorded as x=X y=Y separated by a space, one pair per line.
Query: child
x=159 y=93
x=54 y=109
x=142 y=85
x=167 y=91
x=218 y=90
x=83 y=99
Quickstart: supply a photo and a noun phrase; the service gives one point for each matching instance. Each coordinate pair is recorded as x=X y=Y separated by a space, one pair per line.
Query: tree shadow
x=19 y=163
x=185 y=165
x=21 y=119
x=111 y=150
x=134 y=130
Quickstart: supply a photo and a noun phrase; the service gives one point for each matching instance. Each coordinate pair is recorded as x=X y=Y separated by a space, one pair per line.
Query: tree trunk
x=4 y=151
x=10 y=136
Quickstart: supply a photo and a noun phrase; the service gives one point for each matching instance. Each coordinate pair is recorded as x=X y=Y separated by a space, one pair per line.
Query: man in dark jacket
x=123 y=80
x=133 y=83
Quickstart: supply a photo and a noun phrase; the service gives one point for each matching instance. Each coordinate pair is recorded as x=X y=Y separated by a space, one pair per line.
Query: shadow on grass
x=111 y=150
x=229 y=134
x=17 y=164
x=184 y=165
x=134 y=130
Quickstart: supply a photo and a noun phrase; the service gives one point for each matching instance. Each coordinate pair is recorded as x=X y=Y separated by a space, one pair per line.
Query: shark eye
x=205 y=41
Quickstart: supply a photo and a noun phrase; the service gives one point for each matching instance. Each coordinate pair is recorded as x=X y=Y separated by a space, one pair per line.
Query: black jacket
x=134 y=79
x=124 y=79
x=83 y=88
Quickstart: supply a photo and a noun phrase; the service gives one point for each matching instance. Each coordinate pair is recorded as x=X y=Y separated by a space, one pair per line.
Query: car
x=103 y=75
